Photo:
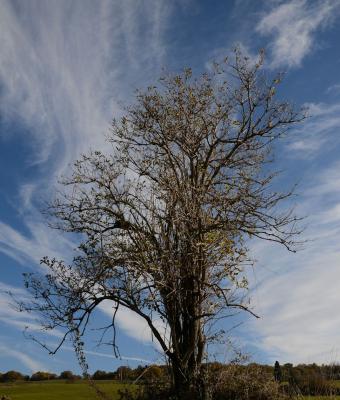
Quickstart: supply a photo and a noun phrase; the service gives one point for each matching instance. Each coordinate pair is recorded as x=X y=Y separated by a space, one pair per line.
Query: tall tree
x=164 y=219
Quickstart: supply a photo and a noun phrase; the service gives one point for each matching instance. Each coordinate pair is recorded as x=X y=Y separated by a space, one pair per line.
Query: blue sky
x=66 y=68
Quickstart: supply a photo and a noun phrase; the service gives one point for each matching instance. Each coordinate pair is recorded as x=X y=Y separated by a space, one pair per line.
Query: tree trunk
x=190 y=383
x=188 y=342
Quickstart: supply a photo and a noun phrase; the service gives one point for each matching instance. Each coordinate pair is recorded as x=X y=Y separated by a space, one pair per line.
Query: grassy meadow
x=81 y=390
x=58 y=390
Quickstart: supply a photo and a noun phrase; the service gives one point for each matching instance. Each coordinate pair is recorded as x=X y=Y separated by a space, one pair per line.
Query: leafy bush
x=237 y=382
x=149 y=391
x=310 y=384
x=43 y=376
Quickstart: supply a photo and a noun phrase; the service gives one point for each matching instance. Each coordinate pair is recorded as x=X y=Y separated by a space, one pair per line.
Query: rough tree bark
x=164 y=219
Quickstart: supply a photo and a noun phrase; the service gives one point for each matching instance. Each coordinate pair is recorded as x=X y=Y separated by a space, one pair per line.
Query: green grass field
x=61 y=390
x=58 y=390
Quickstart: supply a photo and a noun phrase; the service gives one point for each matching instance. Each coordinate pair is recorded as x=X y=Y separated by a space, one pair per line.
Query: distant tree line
x=142 y=373
x=13 y=376
x=306 y=379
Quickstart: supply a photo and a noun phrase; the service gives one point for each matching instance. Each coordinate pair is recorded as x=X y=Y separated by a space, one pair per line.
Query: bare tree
x=164 y=219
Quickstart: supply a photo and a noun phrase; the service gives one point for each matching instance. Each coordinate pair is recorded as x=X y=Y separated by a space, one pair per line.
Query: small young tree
x=277 y=372
x=164 y=219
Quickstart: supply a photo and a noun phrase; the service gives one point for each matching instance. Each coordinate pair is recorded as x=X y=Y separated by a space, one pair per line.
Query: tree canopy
x=164 y=216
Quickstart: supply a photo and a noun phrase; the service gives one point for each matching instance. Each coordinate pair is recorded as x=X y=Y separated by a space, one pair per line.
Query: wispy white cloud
x=293 y=26
x=22 y=321
x=297 y=294
x=26 y=193
x=111 y=356
x=334 y=89
x=99 y=354
x=327 y=184
x=320 y=132
x=65 y=68
x=27 y=360
x=29 y=250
